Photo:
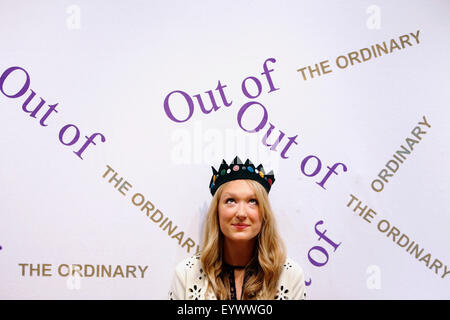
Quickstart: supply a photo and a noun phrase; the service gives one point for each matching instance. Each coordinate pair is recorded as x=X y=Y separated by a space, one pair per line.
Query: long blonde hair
x=269 y=254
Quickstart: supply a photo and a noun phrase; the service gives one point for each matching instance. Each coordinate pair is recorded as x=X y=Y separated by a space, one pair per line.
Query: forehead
x=238 y=188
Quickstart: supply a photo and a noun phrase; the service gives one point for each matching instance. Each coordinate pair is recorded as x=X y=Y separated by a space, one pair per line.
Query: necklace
x=234 y=267
x=230 y=271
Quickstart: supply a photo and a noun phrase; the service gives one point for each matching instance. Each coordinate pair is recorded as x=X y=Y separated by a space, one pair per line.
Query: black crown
x=236 y=170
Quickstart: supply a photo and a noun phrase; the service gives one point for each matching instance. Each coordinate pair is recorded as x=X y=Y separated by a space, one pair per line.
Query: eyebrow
x=235 y=195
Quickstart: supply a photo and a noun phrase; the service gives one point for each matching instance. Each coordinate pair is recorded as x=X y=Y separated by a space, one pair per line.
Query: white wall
x=109 y=66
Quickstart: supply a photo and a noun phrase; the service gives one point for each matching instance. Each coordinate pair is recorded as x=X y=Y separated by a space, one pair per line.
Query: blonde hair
x=269 y=254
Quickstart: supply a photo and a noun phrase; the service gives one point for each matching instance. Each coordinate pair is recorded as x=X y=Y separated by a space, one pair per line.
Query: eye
x=254 y=201
x=228 y=200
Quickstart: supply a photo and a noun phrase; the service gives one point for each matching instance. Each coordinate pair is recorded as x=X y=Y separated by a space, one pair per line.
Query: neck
x=238 y=253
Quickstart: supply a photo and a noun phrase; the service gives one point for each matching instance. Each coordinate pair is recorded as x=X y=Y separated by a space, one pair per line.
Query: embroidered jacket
x=190 y=282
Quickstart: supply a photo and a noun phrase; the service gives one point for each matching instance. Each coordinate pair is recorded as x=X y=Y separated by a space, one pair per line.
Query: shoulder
x=291 y=267
x=291 y=284
x=190 y=281
x=189 y=265
x=292 y=271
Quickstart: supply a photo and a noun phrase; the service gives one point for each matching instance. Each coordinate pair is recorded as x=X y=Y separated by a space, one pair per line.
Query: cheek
x=256 y=218
x=225 y=215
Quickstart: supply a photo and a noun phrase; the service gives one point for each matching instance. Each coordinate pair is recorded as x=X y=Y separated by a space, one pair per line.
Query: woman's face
x=239 y=213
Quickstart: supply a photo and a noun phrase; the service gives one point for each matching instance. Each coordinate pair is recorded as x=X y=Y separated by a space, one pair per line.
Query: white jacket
x=190 y=282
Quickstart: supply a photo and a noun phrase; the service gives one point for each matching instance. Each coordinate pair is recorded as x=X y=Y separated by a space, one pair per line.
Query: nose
x=241 y=211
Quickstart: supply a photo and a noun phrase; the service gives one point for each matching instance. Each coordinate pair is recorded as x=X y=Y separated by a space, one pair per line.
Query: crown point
x=260 y=168
x=248 y=162
x=236 y=160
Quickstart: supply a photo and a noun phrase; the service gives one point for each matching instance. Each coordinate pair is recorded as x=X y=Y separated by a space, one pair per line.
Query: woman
x=243 y=256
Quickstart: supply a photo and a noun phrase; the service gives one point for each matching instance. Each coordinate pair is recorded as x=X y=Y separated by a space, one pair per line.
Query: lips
x=240 y=226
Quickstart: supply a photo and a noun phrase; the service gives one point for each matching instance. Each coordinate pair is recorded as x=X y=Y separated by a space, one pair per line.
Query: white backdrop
x=109 y=67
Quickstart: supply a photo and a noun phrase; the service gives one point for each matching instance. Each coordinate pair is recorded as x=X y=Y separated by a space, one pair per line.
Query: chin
x=241 y=237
